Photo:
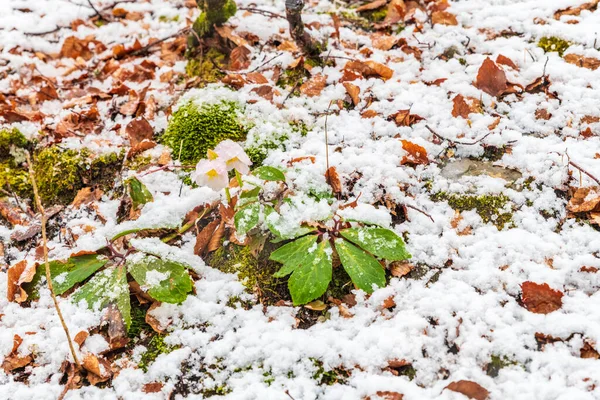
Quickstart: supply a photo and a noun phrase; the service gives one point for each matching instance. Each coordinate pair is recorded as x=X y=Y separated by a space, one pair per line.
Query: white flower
x=212 y=173
x=234 y=156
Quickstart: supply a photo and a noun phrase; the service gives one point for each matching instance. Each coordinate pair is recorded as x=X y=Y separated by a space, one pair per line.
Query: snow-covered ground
x=447 y=323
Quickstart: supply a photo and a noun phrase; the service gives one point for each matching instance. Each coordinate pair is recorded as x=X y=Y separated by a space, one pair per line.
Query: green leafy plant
x=313 y=248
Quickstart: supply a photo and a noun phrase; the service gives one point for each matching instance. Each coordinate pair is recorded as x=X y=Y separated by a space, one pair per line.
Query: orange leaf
x=576 y=10
x=506 y=61
x=584 y=199
x=314 y=86
x=374 y=5
x=540 y=299
x=470 y=389
x=204 y=237
x=491 y=79
x=464 y=106
x=416 y=154
x=333 y=179
x=353 y=92
x=581 y=61
x=405 y=118
x=443 y=18
x=239 y=58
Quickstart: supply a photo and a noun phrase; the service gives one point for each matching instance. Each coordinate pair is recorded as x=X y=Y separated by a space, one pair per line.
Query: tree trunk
x=293 y=11
x=214 y=12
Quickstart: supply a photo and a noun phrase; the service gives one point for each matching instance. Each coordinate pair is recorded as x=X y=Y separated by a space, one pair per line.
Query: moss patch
x=331 y=377
x=193 y=130
x=156 y=346
x=497 y=363
x=553 y=43
x=491 y=208
x=206 y=66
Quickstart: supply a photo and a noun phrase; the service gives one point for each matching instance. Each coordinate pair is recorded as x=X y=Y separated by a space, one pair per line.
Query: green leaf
x=380 y=242
x=246 y=218
x=250 y=193
x=165 y=281
x=292 y=254
x=300 y=231
x=138 y=192
x=65 y=274
x=311 y=279
x=363 y=268
x=107 y=286
x=269 y=173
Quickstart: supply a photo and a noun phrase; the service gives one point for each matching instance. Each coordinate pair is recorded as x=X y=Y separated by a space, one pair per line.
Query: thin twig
x=421 y=211
x=265 y=63
x=262 y=12
x=584 y=171
x=456 y=141
x=96 y=10
x=327 y=141
x=149 y=45
x=42 y=211
x=58 y=28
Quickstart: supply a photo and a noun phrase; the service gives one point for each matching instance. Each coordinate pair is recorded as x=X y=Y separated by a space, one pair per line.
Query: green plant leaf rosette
x=364 y=270
x=380 y=242
x=165 y=281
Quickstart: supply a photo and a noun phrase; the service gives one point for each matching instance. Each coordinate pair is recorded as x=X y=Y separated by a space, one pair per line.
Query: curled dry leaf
x=215 y=240
x=205 y=236
x=400 y=268
x=575 y=11
x=540 y=299
x=316 y=305
x=14 y=360
x=314 y=86
x=405 y=118
x=239 y=58
x=581 y=61
x=333 y=179
x=584 y=199
x=87 y=195
x=151 y=320
x=491 y=78
x=463 y=106
x=443 y=18
x=81 y=337
x=373 y=5
x=367 y=69
x=416 y=154
x=470 y=389
x=98 y=369
x=11 y=214
x=353 y=91
x=236 y=81
x=152 y=387
x=17 y=275
x=506 y=61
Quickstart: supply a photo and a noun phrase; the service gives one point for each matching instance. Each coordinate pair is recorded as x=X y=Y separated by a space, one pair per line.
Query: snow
x=471 y=303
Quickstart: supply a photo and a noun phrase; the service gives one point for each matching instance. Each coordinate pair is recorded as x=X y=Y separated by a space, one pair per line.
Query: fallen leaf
x=11 y=214
x=151 y=320
x=316 y=305
x=506 y=61
x=540 y=299
x=543 y=114
x=588 y=351
x=239 y=58
x=491 y=79
x=236 y=81
x=374 y=5
x=98 y=369
x=463 y=106
x=264 y=91
x=443 y=18
x=86 y=196
x=584 y=199
x=575 y=11
x=384 y=42
x=17 y=275
x=74 y=47
x=353 y=91
x=14 y=360
x=117 y=333
x=387 y=395
x=416 y=154
x=204 y=237
x=400 y=268
x=581 y=61
x=333 y=179
x=405 y=118
x=152 y=387
x=140 y=134
x=369 y=114
x=226 y=32
x=470 y=389
x=389 y=302
x=81 y=337
x=215 y=240
x=314 y=86
x=366 y=69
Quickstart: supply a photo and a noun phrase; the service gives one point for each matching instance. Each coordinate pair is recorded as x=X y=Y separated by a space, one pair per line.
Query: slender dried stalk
x=42 y=211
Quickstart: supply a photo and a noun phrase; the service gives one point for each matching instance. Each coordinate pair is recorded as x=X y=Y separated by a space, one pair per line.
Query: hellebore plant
x=313 y=247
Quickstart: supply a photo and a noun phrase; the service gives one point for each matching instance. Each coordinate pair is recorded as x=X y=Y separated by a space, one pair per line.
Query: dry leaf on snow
x=463 y=106
x=14 y=360
x=204 y=237
x=353 y=91
x=581 y=61
x=470 y=389
x=443 y=18
x=373 y=5
x=584 y=199
x=575 y=11
x=17 y=275
x=314 y=86
x=405 y=118
x=140 y=134
x=86 y=196
x=416 y=154
x=540 y=299
x=239 y=58
x=491 y=78
x=333 y=179
x=506 y=61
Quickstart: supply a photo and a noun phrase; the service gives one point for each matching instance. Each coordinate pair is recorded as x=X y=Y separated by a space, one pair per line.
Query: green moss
x=553 y=43
x=408 y=370
x=259 y=152
x=491 y=208
x=204 y=24
x=156 y=346
x=377 y=15
x=15 y=179
x=331 y=377
x=357 y=20
x=138 y=322
x=205 y=66
x=61 y=173
x=138 y=162
x=10 y=139
x=497 y=363
x=256 y=274
x=193 y=130
x=164 y=18
x=299 y=127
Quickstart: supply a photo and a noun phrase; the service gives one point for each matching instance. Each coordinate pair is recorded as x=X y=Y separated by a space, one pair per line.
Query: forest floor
x=470 y=128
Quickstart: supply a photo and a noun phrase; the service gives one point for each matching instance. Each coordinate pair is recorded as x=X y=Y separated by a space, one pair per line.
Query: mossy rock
x=11 y=139
x=553 y=43
x=194 y=129
x=491 y=208
x=206 y=66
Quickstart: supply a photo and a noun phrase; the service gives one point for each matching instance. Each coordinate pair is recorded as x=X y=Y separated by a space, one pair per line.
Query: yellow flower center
x=212 y=173
x=232 y=160
x=212 y=155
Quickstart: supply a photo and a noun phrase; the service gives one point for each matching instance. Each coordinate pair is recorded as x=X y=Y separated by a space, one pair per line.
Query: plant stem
x=228 y=195
x=42 y=211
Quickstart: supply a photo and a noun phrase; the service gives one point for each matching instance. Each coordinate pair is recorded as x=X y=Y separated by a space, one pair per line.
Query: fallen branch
x=42 y=211
x=262 y=12
x=452 y=142
x=421 y=211
x=584 y=171
x=159 y=41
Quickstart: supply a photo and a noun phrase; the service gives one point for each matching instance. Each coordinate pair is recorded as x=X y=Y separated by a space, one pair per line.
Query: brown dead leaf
x=506 y=61
x=373 y=5
x=366 y=69
x=204 y=237
x=226 y=32
x=575 y=11
x=540 y=299
x=416 y=154
x=153 y=321
x=388 y=303
x=405 y=118
x=384 y=42
x=288 y=45
x=236 y=81
x=463 y=106
x=215 y=241
x=14 y=360
x=264 y=91
x=256 y=77
x=353 y=91
x=443 y=18
x=98 y=369
x=491 y=79
x=396 y=12
x=140 y=134
x=316 y=305
x=74 y=47
x=11 y=214
x=86 y=196
x=588 y=351
x=587 y=133
x=333 y=179
x=117 y=332
x=81 y=337
x=314 y=86
x=16 y=276
x=152 y=387
x=400 y=268
x=587 y=269
x=132 y=105
x=584 y=199
x=581 y=61
x=239 y=58
x=470 y=389
x=543 y=114
x=369 y=114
